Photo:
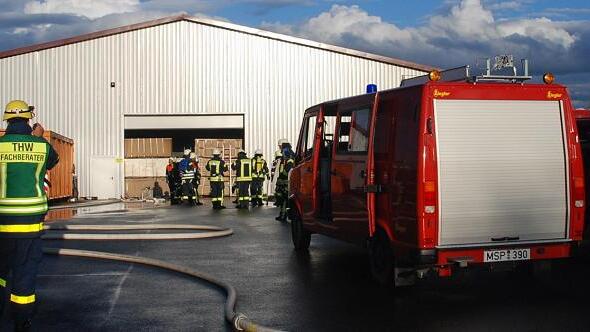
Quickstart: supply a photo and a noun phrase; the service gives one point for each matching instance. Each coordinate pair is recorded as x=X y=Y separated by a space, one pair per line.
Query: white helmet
x=241 y=151
x=187 y=152
x=216 y=152
x=170 y=160
x=283 y=141
x=193 y=155
x=258 y=152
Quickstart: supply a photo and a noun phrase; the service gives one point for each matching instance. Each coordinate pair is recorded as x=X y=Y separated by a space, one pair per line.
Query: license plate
x=506 y=255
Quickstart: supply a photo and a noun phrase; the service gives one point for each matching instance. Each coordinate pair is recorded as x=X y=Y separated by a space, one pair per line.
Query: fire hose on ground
x=238 y=320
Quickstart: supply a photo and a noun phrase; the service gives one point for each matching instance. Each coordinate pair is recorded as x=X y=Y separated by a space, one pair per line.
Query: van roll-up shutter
x=502 y=171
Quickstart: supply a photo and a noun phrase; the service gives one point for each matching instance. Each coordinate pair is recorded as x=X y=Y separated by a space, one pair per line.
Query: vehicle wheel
x=301 y=237
x=381 y=259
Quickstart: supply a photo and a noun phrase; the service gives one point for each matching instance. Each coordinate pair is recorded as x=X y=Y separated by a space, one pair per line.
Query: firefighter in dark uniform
x=24 y=159
x=187 y=174
x=170 y=177
x=282 y=189
x=197 y=177
x=243 y=168
x=216 y=167
x=259 y=174
x=274 y=174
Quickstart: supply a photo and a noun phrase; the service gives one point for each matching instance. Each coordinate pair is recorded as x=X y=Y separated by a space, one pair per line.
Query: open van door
x=372 y=188
x=308 y=159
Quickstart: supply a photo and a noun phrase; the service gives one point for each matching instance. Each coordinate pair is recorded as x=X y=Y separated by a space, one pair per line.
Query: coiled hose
x=238 y=320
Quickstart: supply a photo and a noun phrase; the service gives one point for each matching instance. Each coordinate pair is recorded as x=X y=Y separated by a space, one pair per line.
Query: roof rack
x=463 y=74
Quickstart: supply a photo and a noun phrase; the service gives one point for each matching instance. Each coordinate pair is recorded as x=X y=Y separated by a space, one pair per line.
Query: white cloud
x=467 y=31
x=88 y=8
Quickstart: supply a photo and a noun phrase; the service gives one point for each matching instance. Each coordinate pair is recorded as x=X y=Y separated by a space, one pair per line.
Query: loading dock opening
x=173 y=134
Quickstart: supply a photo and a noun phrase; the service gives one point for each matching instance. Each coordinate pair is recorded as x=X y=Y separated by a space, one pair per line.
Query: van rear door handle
x=505 y=238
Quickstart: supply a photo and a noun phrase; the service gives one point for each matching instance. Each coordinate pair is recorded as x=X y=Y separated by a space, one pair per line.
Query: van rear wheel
x=301 y=237
x=381 y=259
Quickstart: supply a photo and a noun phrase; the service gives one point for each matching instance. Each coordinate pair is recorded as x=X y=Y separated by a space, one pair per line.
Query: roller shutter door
x=502 y=171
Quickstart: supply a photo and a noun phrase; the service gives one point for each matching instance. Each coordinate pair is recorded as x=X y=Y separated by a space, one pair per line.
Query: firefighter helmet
x=187 y=152
x=258 y=152
x=193 y=155
x=283 y=141
x=216 y=152
x=18 y=109
x=241 y=151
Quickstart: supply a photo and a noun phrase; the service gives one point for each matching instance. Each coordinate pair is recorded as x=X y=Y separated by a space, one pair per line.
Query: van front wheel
x=301 y=237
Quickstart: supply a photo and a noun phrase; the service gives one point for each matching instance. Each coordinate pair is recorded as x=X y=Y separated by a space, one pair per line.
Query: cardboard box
x=137 y=187
x=148 y=147
x=145 y=167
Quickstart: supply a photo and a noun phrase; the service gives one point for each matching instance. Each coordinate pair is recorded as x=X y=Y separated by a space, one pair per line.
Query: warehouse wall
x=182 y=67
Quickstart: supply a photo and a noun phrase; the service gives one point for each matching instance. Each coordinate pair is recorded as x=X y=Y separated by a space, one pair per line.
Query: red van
x=449 y=170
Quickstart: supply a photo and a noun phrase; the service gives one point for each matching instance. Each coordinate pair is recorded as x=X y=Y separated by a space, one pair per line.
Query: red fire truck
x=449 y=170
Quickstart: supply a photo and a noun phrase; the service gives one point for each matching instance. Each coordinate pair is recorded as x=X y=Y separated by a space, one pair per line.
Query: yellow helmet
x=18 y=109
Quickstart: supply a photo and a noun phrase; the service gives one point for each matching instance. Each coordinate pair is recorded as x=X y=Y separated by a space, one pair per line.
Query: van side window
x=353 y=133
x=309 y=136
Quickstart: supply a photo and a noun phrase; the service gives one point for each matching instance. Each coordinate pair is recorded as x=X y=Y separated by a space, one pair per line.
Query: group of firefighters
x=25 y=158
x=184 y=177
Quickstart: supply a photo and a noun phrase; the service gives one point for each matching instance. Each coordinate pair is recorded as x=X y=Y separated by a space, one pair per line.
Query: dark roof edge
x=219 y=24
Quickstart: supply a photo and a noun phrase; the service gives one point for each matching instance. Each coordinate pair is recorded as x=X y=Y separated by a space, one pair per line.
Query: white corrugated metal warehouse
x=182 y=73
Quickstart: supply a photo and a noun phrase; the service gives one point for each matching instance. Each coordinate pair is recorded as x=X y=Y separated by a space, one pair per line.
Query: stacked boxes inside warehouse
x=145 y=163
x=229 y=151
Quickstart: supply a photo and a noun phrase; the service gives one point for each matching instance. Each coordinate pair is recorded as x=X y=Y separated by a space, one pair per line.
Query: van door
x=305 y=169
x=349 y=201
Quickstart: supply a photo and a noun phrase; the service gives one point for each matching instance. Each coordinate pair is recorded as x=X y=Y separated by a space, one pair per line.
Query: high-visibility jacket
x=243 y=168
x=216 y=167
x=24 y=160
x=285 y=166
x=259 y=168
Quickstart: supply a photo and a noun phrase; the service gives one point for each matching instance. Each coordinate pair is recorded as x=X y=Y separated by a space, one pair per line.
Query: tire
x=381 y=259
x=301 y=237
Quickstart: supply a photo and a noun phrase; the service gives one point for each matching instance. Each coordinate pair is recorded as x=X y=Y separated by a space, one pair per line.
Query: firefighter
x=216 y=167
x=243 y=168
x=286 y=164
x=170 y=177
x=187 y=174
x=197 y=177
x=274 y=174
x=24 y=159
x=259 y=174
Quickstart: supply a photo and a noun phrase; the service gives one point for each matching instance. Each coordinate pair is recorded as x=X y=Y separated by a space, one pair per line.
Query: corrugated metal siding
x=182 y=67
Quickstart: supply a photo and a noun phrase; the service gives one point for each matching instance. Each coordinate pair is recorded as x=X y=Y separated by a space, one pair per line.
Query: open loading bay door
x=151 y=139
x=502 y=171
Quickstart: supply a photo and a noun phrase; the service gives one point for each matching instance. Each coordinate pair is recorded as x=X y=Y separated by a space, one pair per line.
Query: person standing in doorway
x=216 y=167
x=259 y=174
x=243 y=169
x=25 y=158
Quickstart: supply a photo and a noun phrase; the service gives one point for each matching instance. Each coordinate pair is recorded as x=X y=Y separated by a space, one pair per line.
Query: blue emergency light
x=371 y=88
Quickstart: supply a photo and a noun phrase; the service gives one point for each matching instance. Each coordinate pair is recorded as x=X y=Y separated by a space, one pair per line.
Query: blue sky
x=554 y=35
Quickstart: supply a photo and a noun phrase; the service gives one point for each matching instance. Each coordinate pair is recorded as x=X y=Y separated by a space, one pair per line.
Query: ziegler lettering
x=553 y=95
x=441 y=94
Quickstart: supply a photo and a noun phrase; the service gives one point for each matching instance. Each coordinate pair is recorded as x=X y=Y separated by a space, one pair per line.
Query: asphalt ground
x=330 y=289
